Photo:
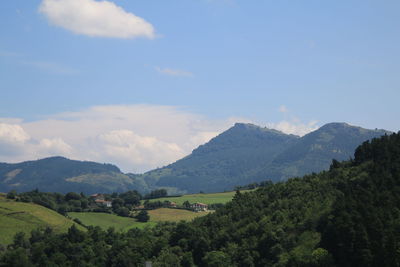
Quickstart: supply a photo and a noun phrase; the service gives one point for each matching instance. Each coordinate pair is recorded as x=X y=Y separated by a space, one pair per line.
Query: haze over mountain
x=243 y=154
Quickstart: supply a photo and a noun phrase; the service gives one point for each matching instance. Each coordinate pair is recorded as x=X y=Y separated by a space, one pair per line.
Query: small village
x=106 y=201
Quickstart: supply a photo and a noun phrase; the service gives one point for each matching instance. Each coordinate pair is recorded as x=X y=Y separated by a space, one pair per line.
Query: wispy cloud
x=174 y=72
x=96 y=19
x=294 y=126
x=291 y=124
x=135 y=137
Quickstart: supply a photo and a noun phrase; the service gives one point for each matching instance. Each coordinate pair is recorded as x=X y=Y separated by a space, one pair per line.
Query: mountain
x=243 y=154
x=346 y=216
x=247 y=153
x=58 y=174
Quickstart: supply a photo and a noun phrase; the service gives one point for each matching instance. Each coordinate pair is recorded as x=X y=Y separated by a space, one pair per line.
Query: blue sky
x=303 y=63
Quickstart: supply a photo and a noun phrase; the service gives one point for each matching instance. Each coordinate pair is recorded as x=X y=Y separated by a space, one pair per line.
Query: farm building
x=199 y=206
x=102 y=202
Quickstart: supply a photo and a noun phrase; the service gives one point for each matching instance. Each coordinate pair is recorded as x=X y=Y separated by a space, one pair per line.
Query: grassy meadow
x=20 y=216
x=173 y=215
x=105 y=220
x=25 y=217
x=210 y=198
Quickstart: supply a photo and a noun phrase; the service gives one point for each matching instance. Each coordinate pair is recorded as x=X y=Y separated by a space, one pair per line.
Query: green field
x=105 y=220
x=211 y=198
x=25 y=217
x=173 y=215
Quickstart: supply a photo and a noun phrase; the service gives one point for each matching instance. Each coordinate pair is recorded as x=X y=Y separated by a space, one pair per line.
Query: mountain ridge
x=243 y=154
x=59 y=174
x=272 y=155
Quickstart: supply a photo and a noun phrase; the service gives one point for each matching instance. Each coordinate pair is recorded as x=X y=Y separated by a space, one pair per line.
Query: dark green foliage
x=347 y=216
x=12 y=194
x=364 y=228
x=131 y=198
x=143 y=216
x=122 y=204
x=56 y=201
x=158 y=193
x=246 y=154
x=122 y=211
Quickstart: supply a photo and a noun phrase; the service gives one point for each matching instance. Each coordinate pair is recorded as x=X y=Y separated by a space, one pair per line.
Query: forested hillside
x=347 y=216
x=247 y=153
x=58 y=174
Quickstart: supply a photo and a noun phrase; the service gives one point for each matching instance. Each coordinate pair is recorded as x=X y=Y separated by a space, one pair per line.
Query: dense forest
x=346 y=216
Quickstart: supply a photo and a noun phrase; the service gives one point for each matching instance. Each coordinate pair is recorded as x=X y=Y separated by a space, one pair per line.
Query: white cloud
x=291 y=124
x=16 y=143
x=13 y=133
x=136 y=138
x=294 y=127
x=148 y=151
x=95 y=18
x=55 y=147
x=174 y=72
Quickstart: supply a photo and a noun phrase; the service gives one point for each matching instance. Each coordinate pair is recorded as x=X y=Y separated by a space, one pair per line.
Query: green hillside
x=209 y=198
x=346 y=216
x=25 y=217
x=105 y=220
x=173 y=215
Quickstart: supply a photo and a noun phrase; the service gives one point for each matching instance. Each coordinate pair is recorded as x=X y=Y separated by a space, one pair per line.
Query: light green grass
x=25 y=217
x=211 y=198
x=173 y=215
x=106 y=220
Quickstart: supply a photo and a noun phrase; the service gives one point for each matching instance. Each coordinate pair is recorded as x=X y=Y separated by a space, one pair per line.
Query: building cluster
x=99 y=199
x=199 y=207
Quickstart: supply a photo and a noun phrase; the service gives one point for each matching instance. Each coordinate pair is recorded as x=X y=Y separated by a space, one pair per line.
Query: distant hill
x=243 y=154
x=19 y=216
x=247 y=153
x=58 y=174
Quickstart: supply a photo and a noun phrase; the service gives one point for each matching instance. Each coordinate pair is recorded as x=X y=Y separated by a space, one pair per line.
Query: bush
x=143 y=216
x=12 y=194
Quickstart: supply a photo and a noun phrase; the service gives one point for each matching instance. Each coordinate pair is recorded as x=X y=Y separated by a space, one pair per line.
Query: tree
x=20 y=241
x=143 y=216
x=72 y=196
x=12 y=194
x=124 y=212
x=186 y=204
x=217 y=259
x=167 y=259
x=17 y=258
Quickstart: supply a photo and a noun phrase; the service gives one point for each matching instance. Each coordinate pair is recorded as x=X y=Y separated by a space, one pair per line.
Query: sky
x=140 y=84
